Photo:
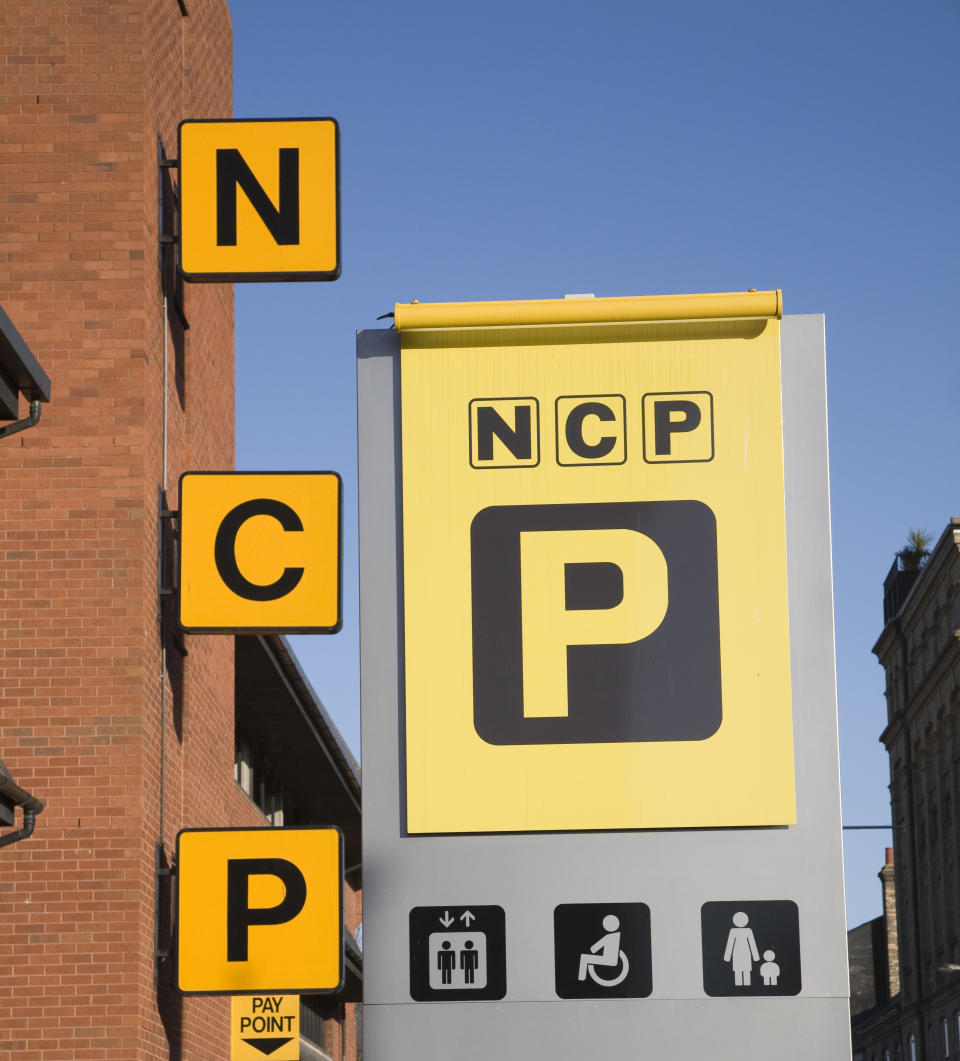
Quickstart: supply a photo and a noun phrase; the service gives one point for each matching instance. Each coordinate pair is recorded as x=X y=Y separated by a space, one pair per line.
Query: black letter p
x=240 y=915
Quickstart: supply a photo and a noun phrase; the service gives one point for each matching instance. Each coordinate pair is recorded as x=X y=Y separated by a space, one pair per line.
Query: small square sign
x=591 y=429
x=504 y=433
x=457 y=953
x=751 y=947
x=246 y=901
x=678 y=428
x=259 y=200
x=265 y=1026
x=260 y=552
x=602 y=950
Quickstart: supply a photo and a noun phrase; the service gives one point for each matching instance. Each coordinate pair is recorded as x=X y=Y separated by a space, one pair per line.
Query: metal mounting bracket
x=163 y=909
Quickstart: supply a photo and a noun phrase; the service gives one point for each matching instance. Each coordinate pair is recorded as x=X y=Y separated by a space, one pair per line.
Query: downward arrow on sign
x=267 y=1046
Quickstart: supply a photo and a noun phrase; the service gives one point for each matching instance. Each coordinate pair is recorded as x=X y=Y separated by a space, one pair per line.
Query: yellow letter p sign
x=259 y=910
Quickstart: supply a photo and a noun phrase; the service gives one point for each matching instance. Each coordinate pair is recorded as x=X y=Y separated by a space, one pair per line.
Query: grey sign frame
x=673 y=871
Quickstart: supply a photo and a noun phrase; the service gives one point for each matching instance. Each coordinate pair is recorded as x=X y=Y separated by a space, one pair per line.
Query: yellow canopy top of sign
x=737 y=304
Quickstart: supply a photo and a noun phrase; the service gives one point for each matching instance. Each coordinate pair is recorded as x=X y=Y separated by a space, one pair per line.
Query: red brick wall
x=85 y=89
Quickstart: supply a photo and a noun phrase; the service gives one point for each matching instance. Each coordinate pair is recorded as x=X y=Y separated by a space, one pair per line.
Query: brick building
x=127 y=731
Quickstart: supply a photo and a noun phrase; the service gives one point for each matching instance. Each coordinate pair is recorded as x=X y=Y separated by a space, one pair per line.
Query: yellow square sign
x=265 y=1026
x=595 y=618
x=259 y=911
x=259 y=200
x=260 y=551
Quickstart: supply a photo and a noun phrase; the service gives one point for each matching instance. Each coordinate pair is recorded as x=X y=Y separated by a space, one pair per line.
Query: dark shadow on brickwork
x=173 y=642
x=169 y=999
x=178 y=350
x=171 y=281
x=171 y=637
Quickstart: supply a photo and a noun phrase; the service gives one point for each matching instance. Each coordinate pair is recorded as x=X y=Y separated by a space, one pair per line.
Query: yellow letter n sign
x=259 y=200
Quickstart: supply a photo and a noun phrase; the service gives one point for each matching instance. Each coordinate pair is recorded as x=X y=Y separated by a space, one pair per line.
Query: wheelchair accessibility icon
x=609 y=962
x=607 y=954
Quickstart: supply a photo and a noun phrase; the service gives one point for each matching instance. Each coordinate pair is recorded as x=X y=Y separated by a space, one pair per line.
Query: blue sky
x=530 y=149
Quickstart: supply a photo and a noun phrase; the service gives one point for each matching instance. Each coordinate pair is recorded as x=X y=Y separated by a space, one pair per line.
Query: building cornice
x=920 y=697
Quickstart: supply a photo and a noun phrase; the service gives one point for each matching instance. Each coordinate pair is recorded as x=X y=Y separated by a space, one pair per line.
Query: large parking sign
x=595 y=605
x=579 y=651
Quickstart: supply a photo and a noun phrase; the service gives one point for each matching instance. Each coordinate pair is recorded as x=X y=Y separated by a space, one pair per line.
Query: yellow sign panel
x=248 y=899
x=594 y=565
x=265 y=1026
x=259 y=200
x=260 y=551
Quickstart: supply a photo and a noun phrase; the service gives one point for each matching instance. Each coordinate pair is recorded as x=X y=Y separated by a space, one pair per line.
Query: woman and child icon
x=741 y=952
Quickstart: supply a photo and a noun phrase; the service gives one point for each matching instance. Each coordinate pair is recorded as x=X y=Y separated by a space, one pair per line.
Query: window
x=243 y=765
x=311 y=1019
x=912 y=1046
x=945 y=1029
x=253 y=774
x=886 y=1054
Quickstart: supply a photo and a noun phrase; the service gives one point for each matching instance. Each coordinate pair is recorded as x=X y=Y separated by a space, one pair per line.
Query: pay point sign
x=260 y=551
x=595 y=599
x=259 y=200
x=259 y=910
x=265 y=1026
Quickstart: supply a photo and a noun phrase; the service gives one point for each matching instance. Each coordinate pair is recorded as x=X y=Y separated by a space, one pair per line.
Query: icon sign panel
x=457 y=953
x=594 y=581
x=602 y=950
x=751 y=948
x=247 y=899
x=265 y=1026
x=259 y=200
x=260 y=552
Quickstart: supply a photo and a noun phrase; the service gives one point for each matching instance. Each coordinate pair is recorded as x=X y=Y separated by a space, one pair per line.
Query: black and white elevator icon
x=595 y=623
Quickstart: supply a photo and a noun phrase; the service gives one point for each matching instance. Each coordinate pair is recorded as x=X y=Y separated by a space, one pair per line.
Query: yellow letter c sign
x=260 y=552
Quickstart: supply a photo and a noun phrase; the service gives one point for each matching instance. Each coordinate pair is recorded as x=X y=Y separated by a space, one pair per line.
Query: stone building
x=124 y=728
x=919 y=650
x=873 y=950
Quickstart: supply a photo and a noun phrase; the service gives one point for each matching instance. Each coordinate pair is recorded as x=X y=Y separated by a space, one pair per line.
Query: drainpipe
x=21 y=425
x=29 y=817
x=14 y=796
